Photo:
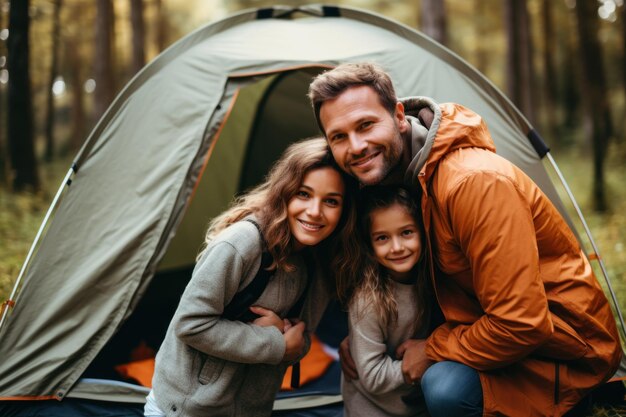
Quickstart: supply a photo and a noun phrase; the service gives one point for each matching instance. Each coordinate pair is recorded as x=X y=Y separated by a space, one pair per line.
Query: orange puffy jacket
x=521 y=303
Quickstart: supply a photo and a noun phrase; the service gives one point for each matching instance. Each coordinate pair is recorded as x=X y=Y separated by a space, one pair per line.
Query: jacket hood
x=453 y=127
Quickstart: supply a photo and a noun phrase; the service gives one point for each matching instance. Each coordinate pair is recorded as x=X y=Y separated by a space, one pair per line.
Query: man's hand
x=414 y=360
x=294 y=342
x=345 y=359
x=268 y=318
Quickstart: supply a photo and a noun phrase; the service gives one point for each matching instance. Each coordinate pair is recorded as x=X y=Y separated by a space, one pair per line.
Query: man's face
x=365 y=139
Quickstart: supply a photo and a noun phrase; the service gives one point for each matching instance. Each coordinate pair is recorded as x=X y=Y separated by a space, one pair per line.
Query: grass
x=21 y=214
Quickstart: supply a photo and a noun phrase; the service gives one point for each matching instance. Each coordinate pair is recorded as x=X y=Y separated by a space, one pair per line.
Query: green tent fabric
x=197 y=125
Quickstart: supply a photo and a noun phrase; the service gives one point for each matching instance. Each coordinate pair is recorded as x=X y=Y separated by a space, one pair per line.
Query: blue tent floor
x=328 y=384
x=86 y=408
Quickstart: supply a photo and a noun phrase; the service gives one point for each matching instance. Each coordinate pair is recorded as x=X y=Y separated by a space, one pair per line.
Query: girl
x=212 y=366
x=387 y=307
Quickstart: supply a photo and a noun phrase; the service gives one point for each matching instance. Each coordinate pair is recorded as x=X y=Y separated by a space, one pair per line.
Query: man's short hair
x=330 y=84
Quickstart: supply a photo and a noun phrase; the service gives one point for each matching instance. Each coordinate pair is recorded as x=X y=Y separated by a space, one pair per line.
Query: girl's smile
x=395 y=241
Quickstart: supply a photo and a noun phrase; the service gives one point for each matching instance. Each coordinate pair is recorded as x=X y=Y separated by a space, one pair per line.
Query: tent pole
x=593 y=243
x=11 y=301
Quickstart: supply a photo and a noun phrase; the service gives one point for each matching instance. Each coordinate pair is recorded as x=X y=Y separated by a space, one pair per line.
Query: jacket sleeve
x=493 y=227
x=198 y=321
x=378 y=372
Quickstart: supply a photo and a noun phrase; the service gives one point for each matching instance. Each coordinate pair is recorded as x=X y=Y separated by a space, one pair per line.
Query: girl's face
x=314 y=211
x=396 y=241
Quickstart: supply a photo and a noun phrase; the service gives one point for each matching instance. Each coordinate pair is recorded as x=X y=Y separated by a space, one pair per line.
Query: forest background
x=562 y=62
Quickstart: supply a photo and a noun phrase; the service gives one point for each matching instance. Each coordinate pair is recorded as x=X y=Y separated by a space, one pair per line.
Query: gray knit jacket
x=210 y=366
x=379 y=390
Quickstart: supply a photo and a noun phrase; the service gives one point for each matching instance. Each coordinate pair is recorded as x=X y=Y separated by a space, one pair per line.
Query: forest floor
x=21 y=215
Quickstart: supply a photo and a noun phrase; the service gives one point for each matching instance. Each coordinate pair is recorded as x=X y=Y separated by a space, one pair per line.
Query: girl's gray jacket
x=210 y=366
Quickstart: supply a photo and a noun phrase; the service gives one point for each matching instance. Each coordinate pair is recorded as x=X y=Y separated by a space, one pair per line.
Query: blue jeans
x=452 y=389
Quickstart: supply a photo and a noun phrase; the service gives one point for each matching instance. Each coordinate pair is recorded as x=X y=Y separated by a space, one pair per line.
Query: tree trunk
x=597 y=113
x=4 y=158
x=21 y=136
x=480 y=26
x=570 y=85
x=549 y=72
x=433 y=20
x=136 y=17
x=56 y=26
x=519 y=57
x=160 y=25
x=78 y=105
x=103 y=56
x=624 y=48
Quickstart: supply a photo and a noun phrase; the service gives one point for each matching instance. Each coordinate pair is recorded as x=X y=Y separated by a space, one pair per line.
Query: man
x=528 y=330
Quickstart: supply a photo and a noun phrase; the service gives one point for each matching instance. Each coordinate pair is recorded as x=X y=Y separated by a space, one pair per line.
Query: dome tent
x=197 y=125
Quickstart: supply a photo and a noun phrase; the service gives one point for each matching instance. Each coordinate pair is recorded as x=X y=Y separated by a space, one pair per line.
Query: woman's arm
x=198 y=322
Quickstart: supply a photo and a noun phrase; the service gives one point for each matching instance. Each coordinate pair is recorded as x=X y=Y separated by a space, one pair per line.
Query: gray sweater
x=210 y=366
x=380 y=387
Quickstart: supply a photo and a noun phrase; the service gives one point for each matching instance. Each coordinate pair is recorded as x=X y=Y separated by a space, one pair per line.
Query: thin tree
x=623 y=12
x=76 y=78
x=137 y=23
x=519 y=57
x=20 y=123
x=54 y=70
x=161 y=25
x=569 y=96
x=549 y=72
x=4 y=163
x=103 y=56
x=433 y=20
x=480 y=27
x=597 y=114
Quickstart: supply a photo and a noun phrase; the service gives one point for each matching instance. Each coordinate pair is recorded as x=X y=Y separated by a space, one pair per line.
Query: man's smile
x=364 y=160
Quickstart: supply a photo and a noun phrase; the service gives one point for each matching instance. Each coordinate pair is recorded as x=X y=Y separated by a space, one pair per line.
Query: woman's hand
x=294 y=342
x=268 y=318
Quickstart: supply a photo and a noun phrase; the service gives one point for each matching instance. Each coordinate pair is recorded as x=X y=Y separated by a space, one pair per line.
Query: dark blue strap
x=239 y=306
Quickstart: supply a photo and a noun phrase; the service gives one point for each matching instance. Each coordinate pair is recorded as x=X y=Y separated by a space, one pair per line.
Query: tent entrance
x=268 y=114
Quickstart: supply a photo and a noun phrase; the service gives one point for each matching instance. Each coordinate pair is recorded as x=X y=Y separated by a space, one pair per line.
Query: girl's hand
x=268 y=318
x=294 y=342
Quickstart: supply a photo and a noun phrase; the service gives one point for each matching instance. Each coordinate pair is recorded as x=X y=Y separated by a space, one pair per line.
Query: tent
x=200 y=123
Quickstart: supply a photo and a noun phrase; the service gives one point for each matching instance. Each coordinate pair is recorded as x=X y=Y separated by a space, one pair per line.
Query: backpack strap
x=239 y=306
x=296 y=311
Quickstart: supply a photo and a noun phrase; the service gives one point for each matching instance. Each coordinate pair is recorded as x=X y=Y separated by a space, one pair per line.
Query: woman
x=210 y=365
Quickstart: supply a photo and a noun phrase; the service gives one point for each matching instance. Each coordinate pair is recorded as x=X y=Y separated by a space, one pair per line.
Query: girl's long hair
x=268 y=203
x=375 y=288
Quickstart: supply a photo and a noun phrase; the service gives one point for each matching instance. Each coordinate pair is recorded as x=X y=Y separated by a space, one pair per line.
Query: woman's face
x=314 y=211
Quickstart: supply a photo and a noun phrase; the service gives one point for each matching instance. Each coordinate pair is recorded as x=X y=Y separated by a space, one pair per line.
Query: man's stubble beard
x=392 y=171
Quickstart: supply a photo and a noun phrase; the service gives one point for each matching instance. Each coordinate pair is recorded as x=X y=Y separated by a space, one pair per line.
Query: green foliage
x=21 y=214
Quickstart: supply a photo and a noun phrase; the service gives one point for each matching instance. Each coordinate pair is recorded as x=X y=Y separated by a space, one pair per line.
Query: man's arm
x=493 y=227
x=348 y=366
